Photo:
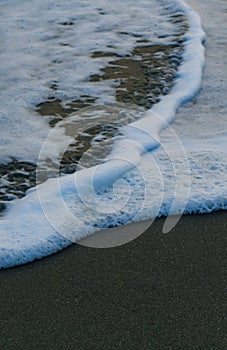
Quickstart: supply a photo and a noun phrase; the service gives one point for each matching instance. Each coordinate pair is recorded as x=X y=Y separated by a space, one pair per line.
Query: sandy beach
x=157 y=292
x=160 y=291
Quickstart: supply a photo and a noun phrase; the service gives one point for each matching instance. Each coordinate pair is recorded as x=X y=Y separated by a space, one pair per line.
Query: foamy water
x=144 y=176
x=47 y=45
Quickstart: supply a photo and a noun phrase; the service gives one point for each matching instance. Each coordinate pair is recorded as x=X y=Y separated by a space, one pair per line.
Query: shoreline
x=137 y=137
x=159 y=291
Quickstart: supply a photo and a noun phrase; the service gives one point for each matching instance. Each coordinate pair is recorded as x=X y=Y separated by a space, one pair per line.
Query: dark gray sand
x=161 y=291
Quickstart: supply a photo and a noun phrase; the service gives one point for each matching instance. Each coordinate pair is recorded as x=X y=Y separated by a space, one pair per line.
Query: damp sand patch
x=15 y=179
x=57 y=111
x=144 y=76
x=140 y=78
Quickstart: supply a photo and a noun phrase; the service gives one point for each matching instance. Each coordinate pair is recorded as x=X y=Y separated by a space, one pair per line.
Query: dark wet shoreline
x=160 y=291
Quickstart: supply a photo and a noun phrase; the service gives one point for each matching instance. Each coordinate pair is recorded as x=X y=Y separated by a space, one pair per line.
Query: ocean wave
x=143 y=177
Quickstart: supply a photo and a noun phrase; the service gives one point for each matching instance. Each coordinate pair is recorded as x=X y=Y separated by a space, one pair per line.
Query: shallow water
x=124 y=56
x=135 y=183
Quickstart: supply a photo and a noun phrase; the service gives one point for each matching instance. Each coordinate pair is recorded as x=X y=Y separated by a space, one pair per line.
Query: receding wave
x=138 y=176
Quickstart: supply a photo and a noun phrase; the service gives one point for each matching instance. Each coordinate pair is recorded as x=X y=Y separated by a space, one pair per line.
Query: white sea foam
x=44 y=43
x=171 y=178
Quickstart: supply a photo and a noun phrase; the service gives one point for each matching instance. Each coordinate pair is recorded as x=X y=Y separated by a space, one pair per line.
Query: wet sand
x=160 y=291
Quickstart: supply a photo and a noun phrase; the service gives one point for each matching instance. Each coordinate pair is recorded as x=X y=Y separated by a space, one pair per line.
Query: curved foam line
x=139 y=137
